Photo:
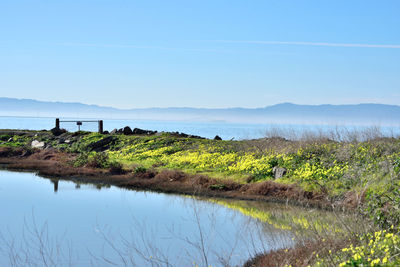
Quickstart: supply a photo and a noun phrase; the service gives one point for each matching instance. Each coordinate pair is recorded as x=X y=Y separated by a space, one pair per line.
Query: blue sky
x=209 y=53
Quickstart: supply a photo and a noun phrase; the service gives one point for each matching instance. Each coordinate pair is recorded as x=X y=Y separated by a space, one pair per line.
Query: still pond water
x=64 y=223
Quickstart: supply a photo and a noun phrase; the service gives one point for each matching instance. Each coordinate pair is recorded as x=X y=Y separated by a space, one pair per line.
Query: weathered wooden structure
x=79 y=123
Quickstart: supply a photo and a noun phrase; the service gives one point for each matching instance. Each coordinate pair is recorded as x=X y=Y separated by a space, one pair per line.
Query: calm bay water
x=226 y=131
x=83 y=224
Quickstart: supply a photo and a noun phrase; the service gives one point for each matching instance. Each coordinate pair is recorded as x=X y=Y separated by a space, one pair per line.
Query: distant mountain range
x=285 y=113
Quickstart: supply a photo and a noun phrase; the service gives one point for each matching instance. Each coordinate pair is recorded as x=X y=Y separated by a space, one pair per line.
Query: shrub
x=116 y=168
x=81 y=160
x=93 y=160
x=140 y=169
x=98 y=160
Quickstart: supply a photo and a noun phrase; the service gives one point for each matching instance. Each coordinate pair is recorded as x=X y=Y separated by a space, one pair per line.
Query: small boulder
x=138 y=131
x=217 y=138
x=143 y=132
x=37 y=144
x=279 y=172
x=114 y=131
x=105 y=132
x=102 y=144
x=57 y=131
x=127 y=130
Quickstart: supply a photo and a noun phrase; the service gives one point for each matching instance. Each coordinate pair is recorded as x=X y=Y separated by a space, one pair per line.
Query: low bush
x=116 y=168
x=139 y=169
x=98 y=160
x=92 y=160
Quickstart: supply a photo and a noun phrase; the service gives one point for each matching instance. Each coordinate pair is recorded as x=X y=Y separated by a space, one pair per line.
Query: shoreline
x=54 y=164
x=179 y=183
x=58 y=155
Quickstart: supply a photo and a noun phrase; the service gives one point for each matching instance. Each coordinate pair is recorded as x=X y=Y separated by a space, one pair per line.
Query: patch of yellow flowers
x=310 y=172
x=304 y=166
x=202 y=159
x=380 y=248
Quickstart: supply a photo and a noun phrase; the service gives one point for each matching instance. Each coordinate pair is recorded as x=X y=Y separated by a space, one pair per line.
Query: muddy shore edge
x=56 y=164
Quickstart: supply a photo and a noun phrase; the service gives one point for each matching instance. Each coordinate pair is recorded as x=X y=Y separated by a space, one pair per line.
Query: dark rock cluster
x=137 y=131
x=58 y=131
x=178 y=134
x=128 y=131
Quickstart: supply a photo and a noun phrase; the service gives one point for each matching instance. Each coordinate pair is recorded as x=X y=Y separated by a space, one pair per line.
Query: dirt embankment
x=58 y=164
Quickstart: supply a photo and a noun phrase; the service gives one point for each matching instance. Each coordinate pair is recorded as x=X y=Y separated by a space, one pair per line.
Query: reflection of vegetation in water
x=289 y=218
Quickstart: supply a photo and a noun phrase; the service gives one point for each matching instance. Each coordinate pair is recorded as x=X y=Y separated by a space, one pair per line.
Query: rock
x=102 y=144
x=196 y=137
x=106 y=132
x=127 y=130
x=279 y=172
x=57 y=131
x=114 y=131
x=143 y=132
x=67 y=141
x=61 y=141
x=217 y=138
x=138 y=131
x=37 y=144
x=178 y=134
x=182 y=135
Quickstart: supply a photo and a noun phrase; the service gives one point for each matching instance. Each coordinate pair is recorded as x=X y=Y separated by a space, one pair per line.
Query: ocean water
x=226 y=131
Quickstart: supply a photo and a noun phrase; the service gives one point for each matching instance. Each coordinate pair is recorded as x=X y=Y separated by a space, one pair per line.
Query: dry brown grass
x=289 y=140
x=303 y=254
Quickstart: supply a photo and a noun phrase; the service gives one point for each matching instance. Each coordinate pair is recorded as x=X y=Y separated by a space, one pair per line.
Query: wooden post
x=101 y=126
x=79 y=123
x=57 y=123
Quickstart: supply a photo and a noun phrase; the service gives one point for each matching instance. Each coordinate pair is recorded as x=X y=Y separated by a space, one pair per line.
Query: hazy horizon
x=200 y=107
x=284 y=113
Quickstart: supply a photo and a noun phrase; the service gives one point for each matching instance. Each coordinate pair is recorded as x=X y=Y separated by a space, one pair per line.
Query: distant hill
x=285 y=113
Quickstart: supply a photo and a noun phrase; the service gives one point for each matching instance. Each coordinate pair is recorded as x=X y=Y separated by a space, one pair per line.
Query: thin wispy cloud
x=166 y=48
x=134 y=47
x=391 y=46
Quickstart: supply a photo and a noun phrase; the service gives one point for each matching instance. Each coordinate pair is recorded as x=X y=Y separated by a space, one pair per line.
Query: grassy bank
x=361 y=175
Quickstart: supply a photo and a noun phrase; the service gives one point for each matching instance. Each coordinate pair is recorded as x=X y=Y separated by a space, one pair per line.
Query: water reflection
x=116 y=226
x=55 y=183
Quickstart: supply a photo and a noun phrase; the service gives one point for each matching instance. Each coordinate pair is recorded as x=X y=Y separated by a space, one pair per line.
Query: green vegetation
x=366 y=173
x=298 y=220
x=13 y=140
